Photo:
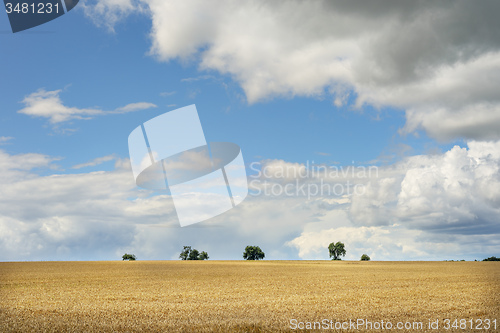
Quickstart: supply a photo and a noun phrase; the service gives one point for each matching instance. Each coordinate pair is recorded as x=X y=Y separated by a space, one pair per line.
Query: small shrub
x=129 y=257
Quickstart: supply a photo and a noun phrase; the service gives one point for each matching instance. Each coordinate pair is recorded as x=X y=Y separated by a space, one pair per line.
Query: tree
x=192 y=254
x=203 y=256
x=185 y=253
x=365 y=257
x=253 y=253
x=492 y=259
x=337 y=250
x=127 y=256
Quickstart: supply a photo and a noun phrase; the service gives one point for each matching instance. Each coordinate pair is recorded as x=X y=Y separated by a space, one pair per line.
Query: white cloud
x=167 y=93
x=392 y=243
x=95 y=161
x=442 y=206
x=310 y=177
x=134 y=107
x=108 y=13
x=5 y=139
x=439 y=63
x=423 y=207
x=14 y=167
x=48 y=104
x=457 y=192
x=100 y=215
x=70 y=216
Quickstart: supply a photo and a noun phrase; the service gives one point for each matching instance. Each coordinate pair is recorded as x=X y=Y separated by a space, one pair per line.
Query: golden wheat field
x=245 y=296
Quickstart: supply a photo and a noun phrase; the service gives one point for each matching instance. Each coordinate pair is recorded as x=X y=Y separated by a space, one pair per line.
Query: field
x=221 y=296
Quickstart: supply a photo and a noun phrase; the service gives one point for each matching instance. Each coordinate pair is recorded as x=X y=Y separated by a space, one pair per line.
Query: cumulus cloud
x=377 y=242
x=70 y=216
x=457 y=192
x=278 y=177
x=392 y=243
x=102 y=214
x=48 y=104
x=14 y=167
x=440 y=63
x=452 y=193
x=426 y=207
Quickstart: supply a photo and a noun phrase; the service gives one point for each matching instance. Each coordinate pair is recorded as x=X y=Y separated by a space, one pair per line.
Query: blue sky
x=291 y=84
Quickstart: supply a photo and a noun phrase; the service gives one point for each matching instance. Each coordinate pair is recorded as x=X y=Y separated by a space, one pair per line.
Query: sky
x=397 y=103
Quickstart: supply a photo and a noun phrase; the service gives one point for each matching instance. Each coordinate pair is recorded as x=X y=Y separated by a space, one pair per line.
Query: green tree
x=253 y=253
x=365 y=257
x=127 y=256
x=492 y=259
x=203 y=256
x=189 y=253
x=337 y=250
x=194 y=254
x=185 y=253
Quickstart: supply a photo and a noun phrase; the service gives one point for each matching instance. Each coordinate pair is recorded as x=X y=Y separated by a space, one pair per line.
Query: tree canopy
x=192 y=254
x=365 y=257
x=127 y=256
x=337 y=250
x=203 y=256
x=492 y=259
x=185 y=253
x=253 y=253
